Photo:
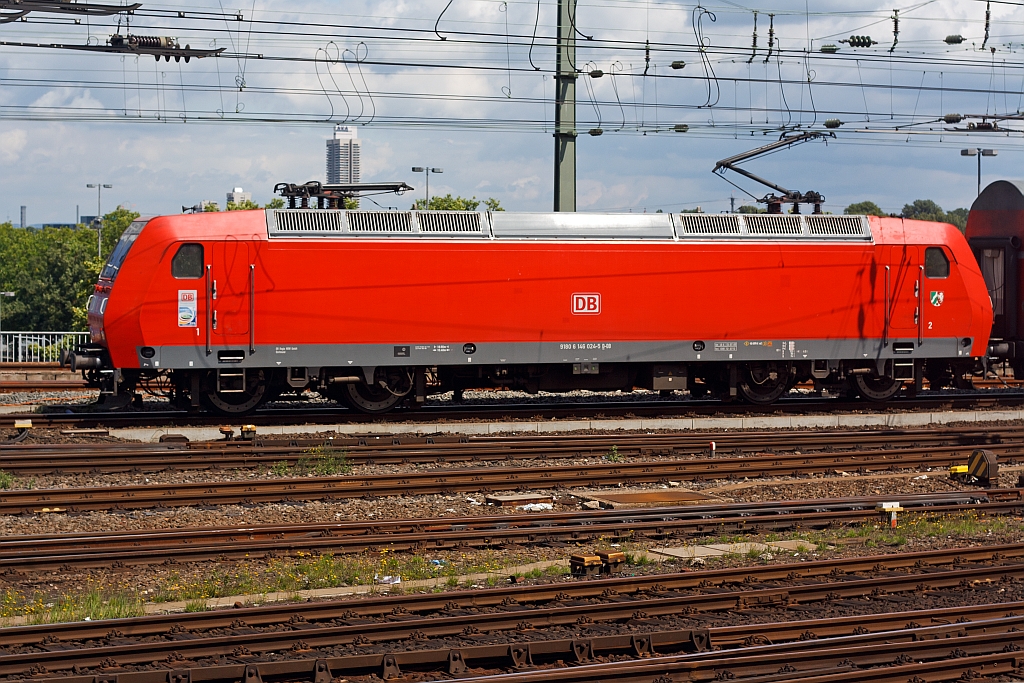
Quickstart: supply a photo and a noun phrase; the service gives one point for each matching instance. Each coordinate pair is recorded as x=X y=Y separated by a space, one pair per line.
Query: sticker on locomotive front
x=937 y=298
x=188 y=313
x=725 y=346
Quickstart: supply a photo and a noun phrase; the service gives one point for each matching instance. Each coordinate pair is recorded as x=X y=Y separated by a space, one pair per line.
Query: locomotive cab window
x=936 y=265
x=187 y=264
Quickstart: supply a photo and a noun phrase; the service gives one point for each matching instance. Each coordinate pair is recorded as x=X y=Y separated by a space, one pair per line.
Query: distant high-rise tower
x=237 y=196
x=343 y=155
x=24 y=216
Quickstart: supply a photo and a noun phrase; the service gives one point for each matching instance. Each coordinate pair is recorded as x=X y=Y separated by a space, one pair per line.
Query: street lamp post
x=428 y=170
x=978 y=152
x=3 y=294
x=99 y=215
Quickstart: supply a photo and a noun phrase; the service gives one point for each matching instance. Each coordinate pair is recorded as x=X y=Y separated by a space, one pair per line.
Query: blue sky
x=172 y=134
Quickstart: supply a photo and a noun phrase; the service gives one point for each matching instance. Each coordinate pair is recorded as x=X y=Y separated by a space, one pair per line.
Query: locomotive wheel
x=764 y=383
x=877 y=389
x=391 y=388
x=367 y=399
x=235 y=403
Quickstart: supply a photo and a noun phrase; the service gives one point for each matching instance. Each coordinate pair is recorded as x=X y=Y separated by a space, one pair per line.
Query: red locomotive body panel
x=366 y=291
x=366 y=301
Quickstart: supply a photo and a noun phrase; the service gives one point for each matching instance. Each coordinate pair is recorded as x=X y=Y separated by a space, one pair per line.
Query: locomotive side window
x=936 y=265
x=187 y=264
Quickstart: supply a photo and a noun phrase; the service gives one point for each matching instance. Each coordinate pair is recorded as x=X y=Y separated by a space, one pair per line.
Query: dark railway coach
x=995 y=230
x=376 y=308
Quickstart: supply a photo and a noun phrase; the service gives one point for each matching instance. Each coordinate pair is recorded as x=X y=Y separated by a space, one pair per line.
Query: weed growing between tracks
x=322 y=461
x=922 y=525
x=8 y=481
x=306 y=572
x=916 y=529
x=92 y=605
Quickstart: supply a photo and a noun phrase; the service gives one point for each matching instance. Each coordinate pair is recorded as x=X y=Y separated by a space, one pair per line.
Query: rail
x=60 y=552
x=38 y=347
x=635 y=602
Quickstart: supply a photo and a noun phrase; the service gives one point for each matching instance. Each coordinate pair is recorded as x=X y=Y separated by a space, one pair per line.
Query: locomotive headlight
x=965 y=342
x=147 y=352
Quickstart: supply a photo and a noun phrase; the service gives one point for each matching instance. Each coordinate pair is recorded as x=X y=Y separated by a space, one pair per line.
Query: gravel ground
x=28 y=398
x=422 y=507
x=470 y=398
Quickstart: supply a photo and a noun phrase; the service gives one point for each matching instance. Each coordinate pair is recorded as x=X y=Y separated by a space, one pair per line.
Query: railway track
x=655 y=407
x=849 y=659
x=645 y=611
x=28 y=459
x=29 y=554
x=38 y=376
x=470 y=479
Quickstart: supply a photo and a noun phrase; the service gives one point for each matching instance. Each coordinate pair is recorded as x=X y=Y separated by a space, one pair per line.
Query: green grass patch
x=197 y=606
x=638 y=559
x=306 y=572
x=93 y=605
x=324 y=461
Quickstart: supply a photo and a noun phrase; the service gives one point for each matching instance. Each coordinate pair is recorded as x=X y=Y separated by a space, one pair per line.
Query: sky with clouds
x=168 y=134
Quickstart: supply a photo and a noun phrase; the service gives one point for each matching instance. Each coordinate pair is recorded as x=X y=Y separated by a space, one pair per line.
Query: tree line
x=920 y=209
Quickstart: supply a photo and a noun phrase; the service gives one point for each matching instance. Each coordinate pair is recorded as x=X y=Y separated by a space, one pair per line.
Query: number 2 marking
x=929 y=325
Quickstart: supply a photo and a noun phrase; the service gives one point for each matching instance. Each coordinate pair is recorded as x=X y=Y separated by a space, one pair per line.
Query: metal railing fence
x=37 y=347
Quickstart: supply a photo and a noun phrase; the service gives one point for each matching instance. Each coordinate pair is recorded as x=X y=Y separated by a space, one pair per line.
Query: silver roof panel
x=575 y=226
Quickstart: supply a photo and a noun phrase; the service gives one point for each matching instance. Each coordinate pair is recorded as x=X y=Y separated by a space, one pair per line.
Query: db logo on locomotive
x=586 y=303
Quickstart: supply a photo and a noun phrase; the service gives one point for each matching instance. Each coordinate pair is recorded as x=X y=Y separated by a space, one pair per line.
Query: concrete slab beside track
x=866 y=419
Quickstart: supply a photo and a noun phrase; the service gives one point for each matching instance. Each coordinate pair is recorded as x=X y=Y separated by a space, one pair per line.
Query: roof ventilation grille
x=380 y=221
x=829 y=226
x=773 y=224
x=708 y=224
x=308 y=220
x=449 y=221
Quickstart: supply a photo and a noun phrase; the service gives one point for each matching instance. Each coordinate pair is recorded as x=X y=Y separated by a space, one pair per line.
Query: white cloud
x=12 y=142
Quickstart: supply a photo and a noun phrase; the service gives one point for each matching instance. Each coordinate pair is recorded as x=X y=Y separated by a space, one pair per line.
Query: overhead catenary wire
x=716 y=54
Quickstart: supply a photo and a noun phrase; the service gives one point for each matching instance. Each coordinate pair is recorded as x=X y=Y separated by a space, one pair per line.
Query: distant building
x=24 y=216
x=208 y=202
x=237 y=196
x=87 y=220
x=343 y=155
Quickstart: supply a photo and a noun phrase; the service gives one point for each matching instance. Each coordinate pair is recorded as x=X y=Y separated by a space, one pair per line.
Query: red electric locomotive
x=374 y=308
